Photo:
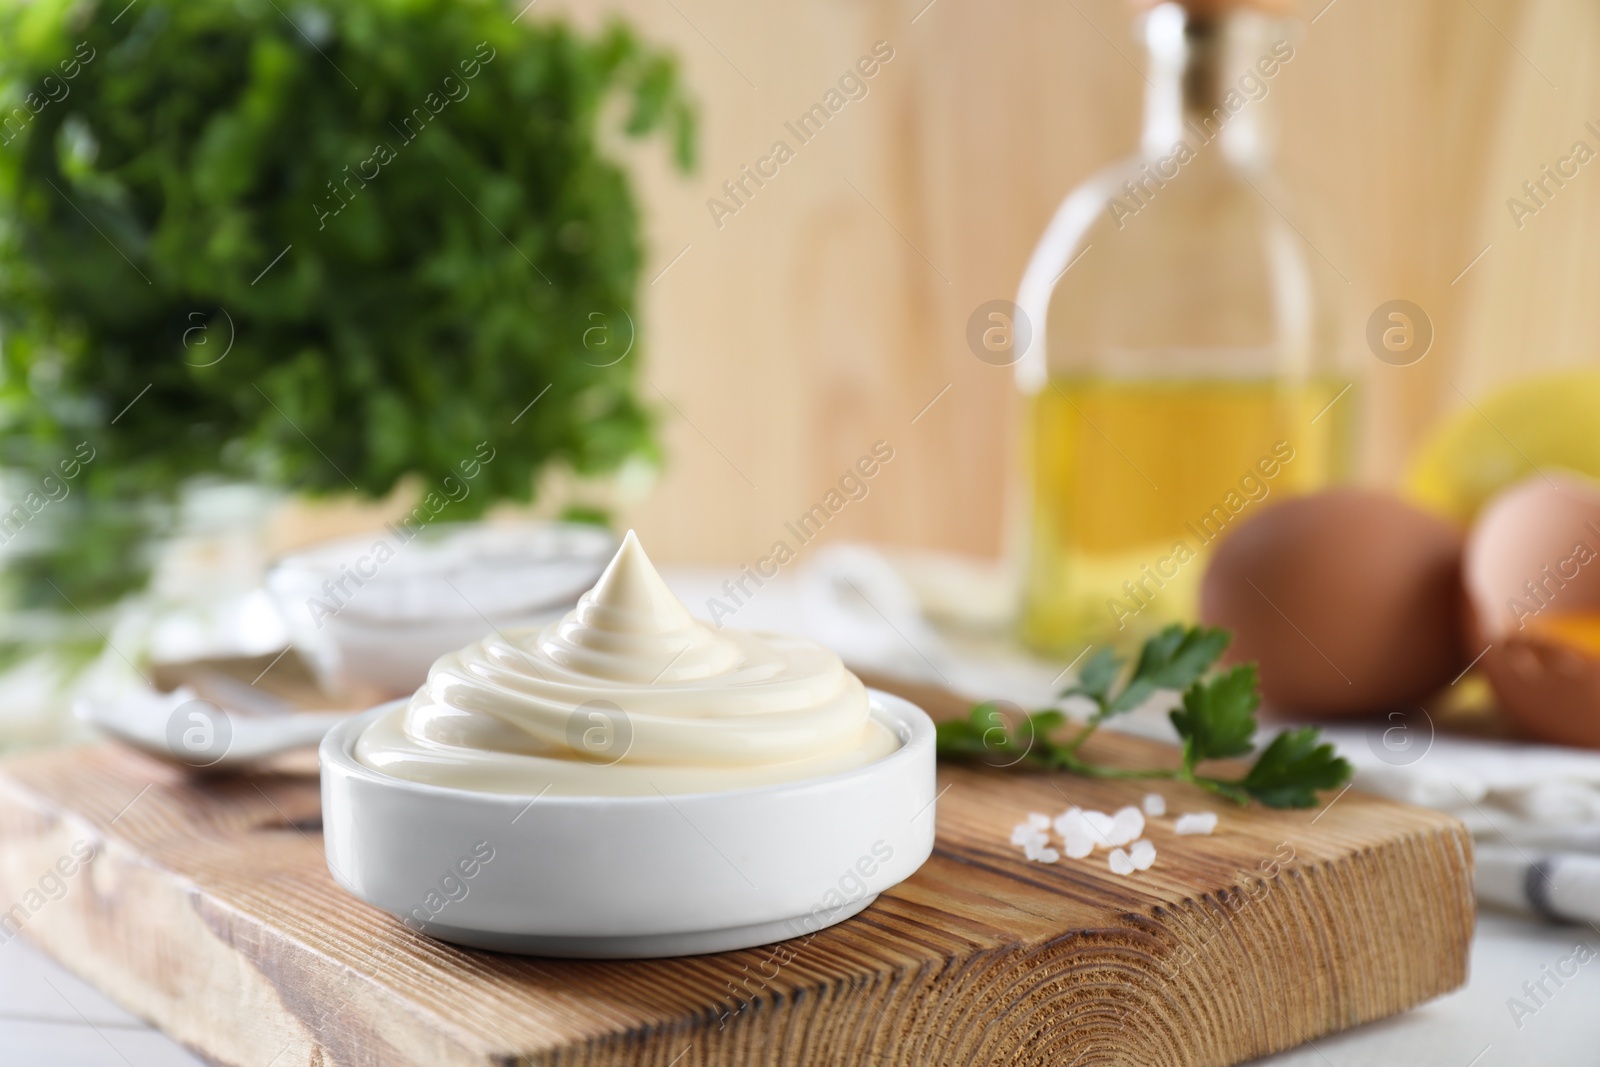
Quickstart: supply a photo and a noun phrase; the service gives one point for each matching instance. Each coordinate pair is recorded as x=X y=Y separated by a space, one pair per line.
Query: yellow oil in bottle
x=1134 y=481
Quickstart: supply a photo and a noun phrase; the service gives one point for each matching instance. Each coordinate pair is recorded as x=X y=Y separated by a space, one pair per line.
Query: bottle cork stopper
x=1214 y=8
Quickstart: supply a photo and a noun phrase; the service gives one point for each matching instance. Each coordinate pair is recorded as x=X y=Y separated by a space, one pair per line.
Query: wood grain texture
x=833 y=307
x=207 y=909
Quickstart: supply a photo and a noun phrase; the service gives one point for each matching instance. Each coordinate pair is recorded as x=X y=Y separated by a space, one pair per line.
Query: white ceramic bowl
x=630 y=877
x=371 y=613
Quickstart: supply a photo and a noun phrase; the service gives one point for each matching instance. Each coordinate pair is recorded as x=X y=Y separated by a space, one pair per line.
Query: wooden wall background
x=832 y=308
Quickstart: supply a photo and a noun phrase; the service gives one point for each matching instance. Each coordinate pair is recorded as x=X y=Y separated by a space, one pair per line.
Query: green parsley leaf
x=987 y=736
x=1172 y=659
x=1218 y=717
x=1293 y=767
x=1041 y=723
x=1217 y=721
x=965 y=737
x=1099 y=673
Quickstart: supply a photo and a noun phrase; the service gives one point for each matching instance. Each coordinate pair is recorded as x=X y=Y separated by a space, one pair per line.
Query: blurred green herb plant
x=323 y=247
x=1217 y=721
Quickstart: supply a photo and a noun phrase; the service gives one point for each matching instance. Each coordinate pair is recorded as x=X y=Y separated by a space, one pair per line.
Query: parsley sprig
x=1217 y=721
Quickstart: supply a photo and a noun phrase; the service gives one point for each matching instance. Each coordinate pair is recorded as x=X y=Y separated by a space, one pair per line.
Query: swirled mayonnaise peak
x=628 y=695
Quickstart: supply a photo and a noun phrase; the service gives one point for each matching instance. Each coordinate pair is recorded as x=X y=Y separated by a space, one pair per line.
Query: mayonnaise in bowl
x=628 y=695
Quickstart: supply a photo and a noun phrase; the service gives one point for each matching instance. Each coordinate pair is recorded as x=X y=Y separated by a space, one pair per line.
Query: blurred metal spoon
x=187 y=729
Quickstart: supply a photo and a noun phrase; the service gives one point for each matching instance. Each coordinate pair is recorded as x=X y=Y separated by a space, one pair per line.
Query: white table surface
x=48 y=1018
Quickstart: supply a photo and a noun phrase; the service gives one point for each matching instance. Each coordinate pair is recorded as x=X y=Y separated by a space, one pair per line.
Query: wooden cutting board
x=207 y=909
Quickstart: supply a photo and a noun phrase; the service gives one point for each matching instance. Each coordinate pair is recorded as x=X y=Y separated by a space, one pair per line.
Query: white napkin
x=857 y=600
x=1504 y=791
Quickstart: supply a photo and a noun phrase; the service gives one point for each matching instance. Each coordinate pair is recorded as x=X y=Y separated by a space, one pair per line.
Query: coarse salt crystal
x=1048 y=855
x=1120 y=863
x=1142 y=853
x=1038 y=820
x=1099 y=827
x=1155 y=805
x=1032 y=849
x=1067 y=817
x=1076 y=836
x=1126 y=825
x=1197 y=822
x=1022 y=833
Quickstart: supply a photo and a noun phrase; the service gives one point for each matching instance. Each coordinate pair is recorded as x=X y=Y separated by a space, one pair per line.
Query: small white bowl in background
x=372 y=622
x=630 y=877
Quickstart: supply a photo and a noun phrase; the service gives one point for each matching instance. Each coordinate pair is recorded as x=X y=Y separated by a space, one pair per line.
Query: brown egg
x=1349 y=601
x=1532 y=575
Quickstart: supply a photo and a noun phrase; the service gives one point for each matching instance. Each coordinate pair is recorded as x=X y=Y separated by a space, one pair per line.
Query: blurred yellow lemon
x=1545 y=423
